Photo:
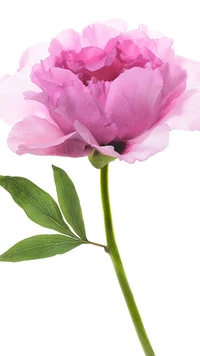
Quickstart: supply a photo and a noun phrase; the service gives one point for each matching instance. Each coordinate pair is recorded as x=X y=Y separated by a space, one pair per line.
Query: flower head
x=107 y=91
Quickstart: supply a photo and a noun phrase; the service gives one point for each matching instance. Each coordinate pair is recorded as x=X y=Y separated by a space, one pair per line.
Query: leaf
x=69 y=201
x=39 y=246
x=39 y=206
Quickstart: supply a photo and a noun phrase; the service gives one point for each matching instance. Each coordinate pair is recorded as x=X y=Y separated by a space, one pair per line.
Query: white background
x=72 y=304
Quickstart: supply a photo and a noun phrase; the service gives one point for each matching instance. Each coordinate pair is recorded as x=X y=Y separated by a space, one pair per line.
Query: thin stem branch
x=118 y=266
x=99 y=245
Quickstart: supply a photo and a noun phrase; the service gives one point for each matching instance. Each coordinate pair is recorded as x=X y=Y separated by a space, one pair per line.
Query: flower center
x=108 y=63
x=119 y=146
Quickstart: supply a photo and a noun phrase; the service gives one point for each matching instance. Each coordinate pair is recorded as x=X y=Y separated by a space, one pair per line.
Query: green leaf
x=39 y=206
x=69 y=201
x=39 y=246
x=98 y=160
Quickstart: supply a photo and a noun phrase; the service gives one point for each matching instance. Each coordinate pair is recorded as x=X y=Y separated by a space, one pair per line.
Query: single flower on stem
x=106 y=93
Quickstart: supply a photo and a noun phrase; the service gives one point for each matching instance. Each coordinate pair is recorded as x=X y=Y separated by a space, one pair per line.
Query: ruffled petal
x=141 y=148
x=134 y=101
x=98 y=35
x=149 y=143
x=49 y=80
x=33 y=131
x=66 y=40
x=89 y=138
x=118 y=24
x=174 y=83
x=193 y=72
x=13 y=106
x=33 y=55
x=184 y=113
x=99 y=90
x=75 y=104
x=37 y=136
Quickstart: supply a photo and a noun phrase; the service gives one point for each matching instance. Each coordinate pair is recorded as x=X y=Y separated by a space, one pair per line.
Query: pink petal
x=98 y=35
x=118 y=24
x=149 y=32
x=184 y=113
x=49 y=80
x=65 y=40
x=161 y=46
x=149 y=143
x=37 y=136
x=89 y=138
x=33 y=131
x=99 y=90
x=13 y=106
x=85 y=133
x=134 y=101
x=32 y=55
x=75 y=104
x=174 y=83
x=192 y=69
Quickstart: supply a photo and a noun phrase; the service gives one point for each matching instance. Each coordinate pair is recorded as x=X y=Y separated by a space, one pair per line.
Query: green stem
x=118 y=266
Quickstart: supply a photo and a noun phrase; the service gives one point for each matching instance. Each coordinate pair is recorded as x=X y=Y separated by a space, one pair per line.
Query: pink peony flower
x=107 y=90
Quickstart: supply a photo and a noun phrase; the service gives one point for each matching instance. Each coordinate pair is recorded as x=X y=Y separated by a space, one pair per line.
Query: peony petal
x=161 y=46
x=33 y=131
x=99 y=90
x=174 y=83
x=85 y=133
x=118 y=24
x=33 y=55
x=66 y=40
x=37 y=136
x=193 y=71
x=134 y=101
x=89 y=138
x=13 y=106
x=49 y=80
x=98 y=35
x=149 y=32
x=149 y=143
x=75 y=104
x=184 y=113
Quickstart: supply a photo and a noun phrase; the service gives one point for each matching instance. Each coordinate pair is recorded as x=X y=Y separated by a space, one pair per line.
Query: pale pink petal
x=66 y=40
x=33 y=131
x=174 y=83
x=184 y=113
x=162 y=48
x=149 y=143
x=67 y=147
x=149 y=32
x=134 y=101
x=141 y=148
x=89 y=138
x=13 y=106
x=193 y=71
x=85 y=133
x=33 y=55
x=107 y=151
x=118 y=24
x=49 y=80
x=37 y=136
x=160 y=45
x=98 y=35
